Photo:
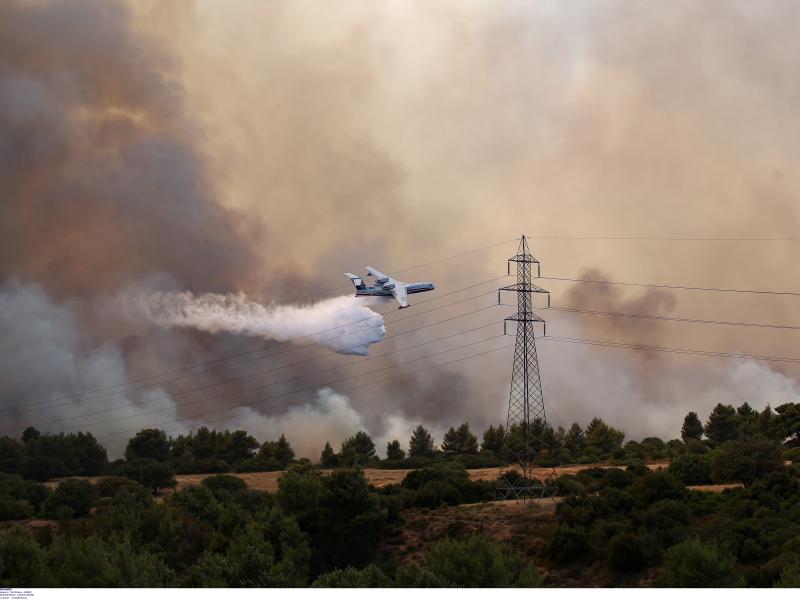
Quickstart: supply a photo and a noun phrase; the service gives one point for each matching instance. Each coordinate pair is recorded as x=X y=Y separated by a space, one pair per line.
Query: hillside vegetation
x=611 y=526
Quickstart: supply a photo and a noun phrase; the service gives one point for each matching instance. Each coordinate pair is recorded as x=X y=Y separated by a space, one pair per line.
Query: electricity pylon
x=526 y=423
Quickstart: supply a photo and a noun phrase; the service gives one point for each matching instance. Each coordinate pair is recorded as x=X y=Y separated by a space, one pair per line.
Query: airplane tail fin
x=357 y=281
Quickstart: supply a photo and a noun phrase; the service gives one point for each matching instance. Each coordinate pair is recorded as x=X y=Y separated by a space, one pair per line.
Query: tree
x=460 y=441
x=279 y=451
x=328 y=458
x=349 y=519
x=693 y=563
x=299 y=493
x=630 y=552
x=270 y=552
x=691 y=469
x=421 y=443
x=30 y=434
x=692 y=427
x=787 y=422
x=602 y=436
x=72 y=498
x=10 y=455
x=493 y=440
x=575 y=440
x=722 y=424
x=20 y=498
x=746 y=460
x=357 y=450
x=478 y=561
x=153 y=475
x=394 y=451
x=767 y=424
x=23 y=563
x=240 y=447
x=149 y=444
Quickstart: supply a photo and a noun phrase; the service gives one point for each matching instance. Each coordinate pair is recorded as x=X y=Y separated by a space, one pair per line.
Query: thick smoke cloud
x=265 y=149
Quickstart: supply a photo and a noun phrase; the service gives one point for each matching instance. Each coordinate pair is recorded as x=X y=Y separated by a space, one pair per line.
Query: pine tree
x=460 y=441
x=493 y=440
x=421 y=443
x=722 y=424
x=280 y=451
x=328 y=458
x=394 y=451
x=575 y=440
x=359 y=449
x=692 y=427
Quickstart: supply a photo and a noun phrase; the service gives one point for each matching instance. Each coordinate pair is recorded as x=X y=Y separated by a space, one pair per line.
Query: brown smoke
x=226 y=147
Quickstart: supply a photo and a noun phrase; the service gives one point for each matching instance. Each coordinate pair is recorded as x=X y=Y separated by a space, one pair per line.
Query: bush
x=655 y=486
x=630 y=552
x=369 y=577
x=107 y=487
x=693 y=563
x=668 y=520
x=151 y=474
x=72 y=498
x=11 y=508
x=691 y=469
x=225 y=483
x=22 y=562
x=566 y=543
x=479 y=561
x=792 y=454
x=746 y=460
x=20 y=498
x=414 y=576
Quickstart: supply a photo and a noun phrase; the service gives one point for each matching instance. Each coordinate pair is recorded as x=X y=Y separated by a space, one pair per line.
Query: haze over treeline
x=264 y=149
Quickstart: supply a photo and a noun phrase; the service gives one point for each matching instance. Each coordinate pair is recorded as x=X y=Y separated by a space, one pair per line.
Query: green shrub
x=23 y=563
x=693 y=563
x=691 y=469
x=479 y=561
x=11 y=508
x=368 y=577
x=746 y=460
x=657 y=485
x=415 y=576
x=566 y=543
x=72 y=498
x=630 y=552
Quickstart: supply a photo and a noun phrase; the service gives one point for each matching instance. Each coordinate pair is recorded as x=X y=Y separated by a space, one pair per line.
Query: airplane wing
x=400 y=294
x=377 y=274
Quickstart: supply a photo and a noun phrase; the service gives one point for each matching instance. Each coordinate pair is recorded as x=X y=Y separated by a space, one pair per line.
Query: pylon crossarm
x=519 y=287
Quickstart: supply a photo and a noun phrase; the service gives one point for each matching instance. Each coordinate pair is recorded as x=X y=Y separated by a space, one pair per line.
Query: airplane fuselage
x=379 y=290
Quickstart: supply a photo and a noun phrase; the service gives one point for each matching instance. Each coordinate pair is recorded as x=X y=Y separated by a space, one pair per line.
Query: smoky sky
x=265 y=148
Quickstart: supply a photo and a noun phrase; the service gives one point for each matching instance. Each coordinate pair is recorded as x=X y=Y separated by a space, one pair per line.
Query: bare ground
x=522 y=526
x=268 y=481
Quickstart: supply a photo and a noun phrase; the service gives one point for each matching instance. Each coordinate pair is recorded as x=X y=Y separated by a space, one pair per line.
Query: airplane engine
x=388 y=286
x=382 y=280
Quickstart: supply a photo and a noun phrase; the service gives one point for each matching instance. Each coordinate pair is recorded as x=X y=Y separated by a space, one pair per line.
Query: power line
x=688 y=351
x=664 y=239
x=317 y=386
x=674 y=287
x=667 y=318
x=145 y=382
x=277 y=368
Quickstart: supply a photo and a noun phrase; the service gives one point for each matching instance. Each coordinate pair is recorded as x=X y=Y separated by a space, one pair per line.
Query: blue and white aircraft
x=387 y=286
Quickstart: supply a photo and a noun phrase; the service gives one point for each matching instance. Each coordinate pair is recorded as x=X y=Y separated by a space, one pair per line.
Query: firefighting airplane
x=387 y=286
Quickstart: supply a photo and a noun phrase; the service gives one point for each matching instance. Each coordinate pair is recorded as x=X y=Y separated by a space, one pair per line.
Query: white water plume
x=343 y=324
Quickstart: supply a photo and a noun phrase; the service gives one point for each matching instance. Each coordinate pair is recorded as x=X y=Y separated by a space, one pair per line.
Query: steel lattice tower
x=526 y=414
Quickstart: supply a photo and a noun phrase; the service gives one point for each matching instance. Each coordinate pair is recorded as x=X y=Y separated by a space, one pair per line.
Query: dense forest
x=121 y=523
